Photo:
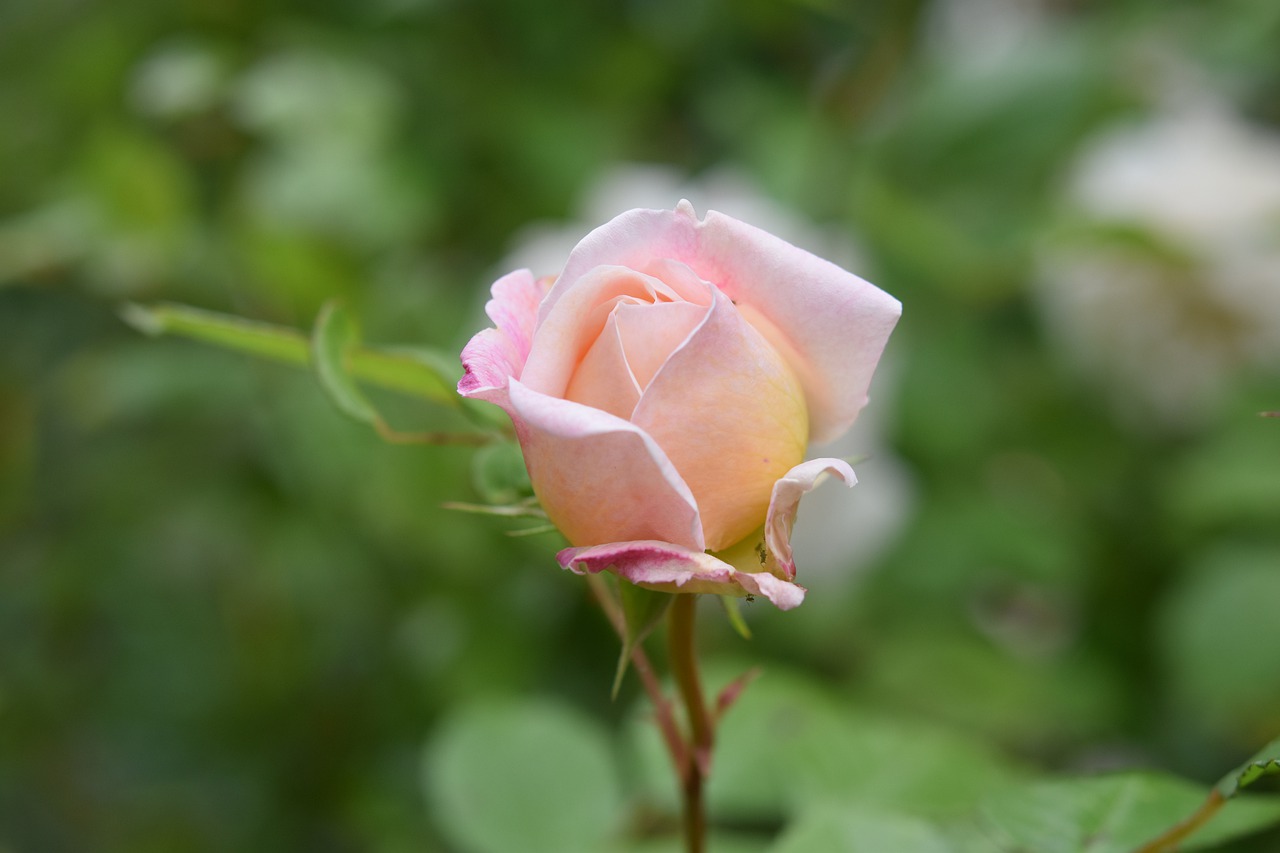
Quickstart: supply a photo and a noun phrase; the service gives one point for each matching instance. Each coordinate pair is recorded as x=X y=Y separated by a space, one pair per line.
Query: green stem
x=684 y=668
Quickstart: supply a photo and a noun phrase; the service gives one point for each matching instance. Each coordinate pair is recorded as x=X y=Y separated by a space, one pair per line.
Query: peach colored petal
x=603 y=380
x=786 y=501
x=494 y=355
x=830 y=324
x=599 y=477
x=563 y=336
x=730 y=416
x=651 y=333
x=835 y=323
x=670 y=568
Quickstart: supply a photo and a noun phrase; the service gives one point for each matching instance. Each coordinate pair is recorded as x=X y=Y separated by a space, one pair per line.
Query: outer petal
x=786 y=501
x=598 y=476
x=730 y=415
x=831 y=325
x=834 y=323
x=670 y=568
x=495 y=355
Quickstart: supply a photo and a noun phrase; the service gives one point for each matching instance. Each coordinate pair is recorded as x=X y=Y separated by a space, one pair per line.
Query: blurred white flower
x=837 y=529
x=1178 y=291
x=983 y=32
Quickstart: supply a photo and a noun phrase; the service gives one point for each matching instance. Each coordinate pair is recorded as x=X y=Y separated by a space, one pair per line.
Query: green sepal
x=733 y=609
x=642 y=610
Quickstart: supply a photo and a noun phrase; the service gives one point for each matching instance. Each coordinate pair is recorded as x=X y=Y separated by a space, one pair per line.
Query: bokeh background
x=232 y=620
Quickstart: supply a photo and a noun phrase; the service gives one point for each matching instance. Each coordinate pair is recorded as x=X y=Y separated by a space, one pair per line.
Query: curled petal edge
x=785 y=502
x=666 y=567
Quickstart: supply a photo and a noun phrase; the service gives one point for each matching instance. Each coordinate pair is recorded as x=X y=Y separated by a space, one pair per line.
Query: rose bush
x=665 y=386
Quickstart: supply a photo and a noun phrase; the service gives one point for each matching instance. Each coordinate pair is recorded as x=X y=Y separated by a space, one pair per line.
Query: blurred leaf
x=414 y=371
x=642 y=610
x=499 y=474
x=335 y=333
x=1109 y=814
x=249 y=336
x=523 y=777
x=1266 y=762
x=789 y=745
x=1221 y=641
x=833 y=828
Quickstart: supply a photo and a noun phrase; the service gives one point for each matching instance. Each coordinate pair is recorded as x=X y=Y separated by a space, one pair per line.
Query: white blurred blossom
x=1182 y=295
x=837 y=529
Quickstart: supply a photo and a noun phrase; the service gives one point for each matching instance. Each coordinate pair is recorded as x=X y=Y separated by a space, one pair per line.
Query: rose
x=664 y=389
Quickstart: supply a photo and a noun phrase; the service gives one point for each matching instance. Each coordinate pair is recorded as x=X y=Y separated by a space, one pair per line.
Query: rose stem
x=684 y=667
x=640 y=662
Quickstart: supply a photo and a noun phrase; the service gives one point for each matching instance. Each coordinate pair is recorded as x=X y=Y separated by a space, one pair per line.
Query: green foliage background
x=231 y=619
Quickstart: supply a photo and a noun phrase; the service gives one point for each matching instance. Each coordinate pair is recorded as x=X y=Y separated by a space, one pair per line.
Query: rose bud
x=665 y=386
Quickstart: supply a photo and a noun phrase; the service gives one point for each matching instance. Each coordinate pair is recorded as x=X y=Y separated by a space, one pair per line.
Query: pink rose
x=664 y=389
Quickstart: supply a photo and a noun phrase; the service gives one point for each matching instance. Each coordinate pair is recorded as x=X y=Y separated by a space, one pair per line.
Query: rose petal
x=835 y=323
x=564 y=335
x=651 y=333
x=495 y=355
x=830 y=324
x=604 y=380
x=670 y=568
x=786 y=501
x=730 y=416
x=599 y=477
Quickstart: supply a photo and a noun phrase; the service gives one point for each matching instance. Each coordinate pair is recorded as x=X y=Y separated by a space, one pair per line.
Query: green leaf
x=414 y=371
x=499 y=475
x=1109 y=814
x=1266 y=762
x=836 y=828
x=411 y=370
x=525 y=776
x=334 y=334
x=642 y=610
x=248 y=336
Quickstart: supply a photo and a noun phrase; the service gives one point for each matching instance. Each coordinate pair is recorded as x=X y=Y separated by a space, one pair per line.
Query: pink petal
x=603 y=379
x=834 y=322
x=670 y=568
x=599 y=477
x=786 y=501
x=564 y=336
x=831 y=325
x=650 y=333
x=495 y=355
x=730 y=415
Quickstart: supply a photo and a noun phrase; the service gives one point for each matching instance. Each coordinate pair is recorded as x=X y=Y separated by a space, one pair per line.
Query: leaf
x=334 y=334
x=642 y=610
x=249 y=336
x=527 y=776
x=858 y=831
x=1108 y=814
x=1266 y=762
x=408 y=370
x=499 y=475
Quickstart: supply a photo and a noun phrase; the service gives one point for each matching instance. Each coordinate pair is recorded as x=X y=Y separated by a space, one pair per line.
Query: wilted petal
x=670 y=568
x=598 y=476
x=786 y=501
